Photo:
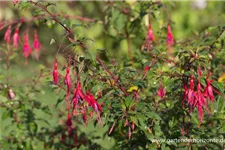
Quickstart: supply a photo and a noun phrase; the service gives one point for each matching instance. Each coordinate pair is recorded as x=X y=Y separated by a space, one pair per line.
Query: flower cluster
x=150 y=38
x=27 y=50
x=79 y=97
x=197 y=96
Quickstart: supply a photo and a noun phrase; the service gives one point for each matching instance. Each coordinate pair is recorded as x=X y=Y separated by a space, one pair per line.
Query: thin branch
x=53 y=17
x=113 y=76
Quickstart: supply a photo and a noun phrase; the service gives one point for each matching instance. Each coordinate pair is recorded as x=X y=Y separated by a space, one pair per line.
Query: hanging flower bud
x=16 y=38
x=77 y=95
x=111 y=129
x=67 y=81
x=7 y=35
x=92 y=102
x=200 y=113
x=146 y=68
x=11 y=94
x=36 y=44
x=26 y=47
x=150 y=34
x=191 y=93
x=170 y=40
x=126 y=123
x=55 y=72
x=161 y=91
x=209 y=90
x=15 y=2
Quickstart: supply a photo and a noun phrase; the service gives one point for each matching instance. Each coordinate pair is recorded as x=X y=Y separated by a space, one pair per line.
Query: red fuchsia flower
x=200 y=113
x=77 y=95
x=146 y=68
x=161 y=91
x=55 y=73
x=16 y=38
x=170 y=40
x=150 y=35
x=36 y=44
x=209 y=90
x=26 y=47
x=191 y=93
x=67 y=81
x=92 y=102
x=200 y=100
x=15 y=2
x=7 y=35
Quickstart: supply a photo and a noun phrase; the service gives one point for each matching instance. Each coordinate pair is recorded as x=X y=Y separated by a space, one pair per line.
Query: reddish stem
x=113 y=76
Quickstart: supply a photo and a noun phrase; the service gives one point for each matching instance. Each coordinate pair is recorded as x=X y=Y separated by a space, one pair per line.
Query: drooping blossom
x=15 y=2
x=7 y=35
x=77 y=95
x=36 y=44
x=26 y=47
x=200 y=113
x=191 y=93
x=67 y=81
x=161 y=91
x=169 y=40
x=209 y=90
x=146 y=69
x=55 y=73
x=92 y=102
x=16 y=38
x=150 y=34
x=149 y=39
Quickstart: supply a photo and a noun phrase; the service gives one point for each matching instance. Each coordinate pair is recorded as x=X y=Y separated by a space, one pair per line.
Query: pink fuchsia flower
x=92 y=102
x=77 y=95
x=200 y=113
x=26 y=47
x=15 y=2
x=161 y=91
x=67 y=81
x=36 y=44
x=16 y=38
x=209 y=90
x=55 y=72
x=191 y=93
x=7 y=35
x=170 y=40
x=200 y=100
x=150 y=35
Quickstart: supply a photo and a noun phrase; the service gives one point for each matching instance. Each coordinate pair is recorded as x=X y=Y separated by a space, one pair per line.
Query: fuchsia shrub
x=165 y=89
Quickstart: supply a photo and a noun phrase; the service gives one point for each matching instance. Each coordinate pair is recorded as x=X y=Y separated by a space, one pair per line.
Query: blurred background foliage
x=104 y=26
